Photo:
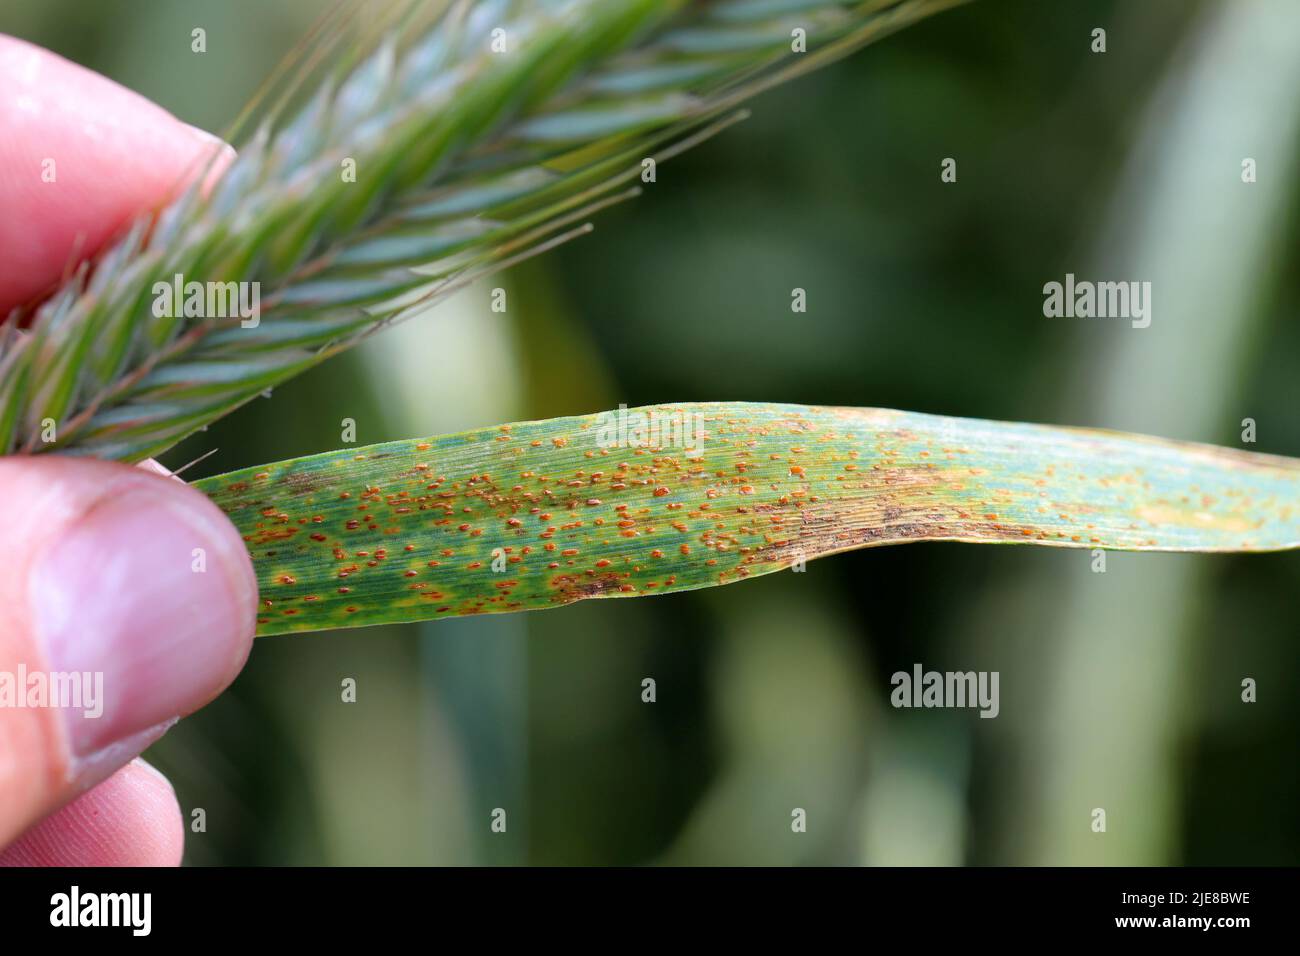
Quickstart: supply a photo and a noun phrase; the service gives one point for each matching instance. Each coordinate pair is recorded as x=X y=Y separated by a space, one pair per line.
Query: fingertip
x=81 y=157
x=152 y=586
x=133 y=584
x=131 y=819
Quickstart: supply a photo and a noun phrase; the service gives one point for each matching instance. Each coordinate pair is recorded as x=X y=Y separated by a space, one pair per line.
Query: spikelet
x=392 y=169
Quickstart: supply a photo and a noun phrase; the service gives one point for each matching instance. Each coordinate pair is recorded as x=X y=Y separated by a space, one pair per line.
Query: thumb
x=133 y=589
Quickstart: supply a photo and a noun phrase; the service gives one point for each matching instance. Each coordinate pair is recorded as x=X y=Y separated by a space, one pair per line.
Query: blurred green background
x=1119 y=690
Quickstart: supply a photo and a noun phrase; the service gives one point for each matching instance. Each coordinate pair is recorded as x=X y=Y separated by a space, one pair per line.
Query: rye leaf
x=669 y=498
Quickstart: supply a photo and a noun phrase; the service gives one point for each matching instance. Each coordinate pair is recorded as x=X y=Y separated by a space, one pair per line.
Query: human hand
x=99 y=562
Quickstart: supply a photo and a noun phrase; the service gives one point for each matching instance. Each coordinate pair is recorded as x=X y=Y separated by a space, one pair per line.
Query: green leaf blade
x=582 y=507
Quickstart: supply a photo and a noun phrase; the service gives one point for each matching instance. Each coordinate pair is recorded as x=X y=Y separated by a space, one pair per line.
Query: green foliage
x=671 y=498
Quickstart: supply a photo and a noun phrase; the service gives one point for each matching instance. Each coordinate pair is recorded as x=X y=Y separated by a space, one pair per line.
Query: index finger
x=80 y=156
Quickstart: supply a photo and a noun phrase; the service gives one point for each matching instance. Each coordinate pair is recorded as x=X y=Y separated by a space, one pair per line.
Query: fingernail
x=95 y=768
x=216 y=155
x=211 y=144
x=153 y=599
